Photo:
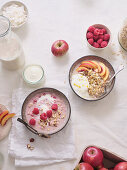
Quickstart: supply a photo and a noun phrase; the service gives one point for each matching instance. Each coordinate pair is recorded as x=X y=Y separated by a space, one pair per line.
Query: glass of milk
x=33 y=74
x=11 y=52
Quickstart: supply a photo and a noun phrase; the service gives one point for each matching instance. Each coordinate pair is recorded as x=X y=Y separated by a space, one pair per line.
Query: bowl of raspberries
x=98 y=37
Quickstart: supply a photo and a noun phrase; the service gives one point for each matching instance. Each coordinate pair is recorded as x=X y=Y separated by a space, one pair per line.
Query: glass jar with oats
x=122 y=36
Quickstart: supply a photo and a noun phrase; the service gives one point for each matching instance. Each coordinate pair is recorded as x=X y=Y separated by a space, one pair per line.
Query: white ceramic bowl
x=19 y=4
x=108 y=31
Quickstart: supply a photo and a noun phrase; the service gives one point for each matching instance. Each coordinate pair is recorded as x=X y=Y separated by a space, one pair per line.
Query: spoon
x=33 y=130
x=120 y=68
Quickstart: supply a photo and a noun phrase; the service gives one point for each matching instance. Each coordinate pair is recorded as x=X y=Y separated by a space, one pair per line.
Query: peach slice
x=6 y=118
x=4 y=113
x=98 y=67
x=88 y=64
x=103 y=69
x=80 y=69
x=106 y=74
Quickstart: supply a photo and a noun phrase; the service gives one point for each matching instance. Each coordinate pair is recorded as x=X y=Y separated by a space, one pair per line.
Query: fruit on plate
x=121 y=166
x=4 y=113
x=59 y=47
x=97 y=37
x=6 y=118
x=84 y=166
x=93 y=156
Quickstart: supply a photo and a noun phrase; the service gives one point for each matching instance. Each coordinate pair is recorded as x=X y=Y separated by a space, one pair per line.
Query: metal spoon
x=121 y=67
x=33 y=130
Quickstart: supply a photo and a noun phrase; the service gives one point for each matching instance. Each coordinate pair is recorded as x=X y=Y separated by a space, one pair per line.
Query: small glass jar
x=33 y=74
x=11 y=52
x=122 y=35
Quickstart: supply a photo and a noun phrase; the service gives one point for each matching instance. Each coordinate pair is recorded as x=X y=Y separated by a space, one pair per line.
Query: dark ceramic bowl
x=95 y=58
x=44 y=90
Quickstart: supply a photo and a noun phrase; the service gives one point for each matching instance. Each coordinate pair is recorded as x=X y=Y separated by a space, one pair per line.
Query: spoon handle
x=31 y=129
x=121 y=67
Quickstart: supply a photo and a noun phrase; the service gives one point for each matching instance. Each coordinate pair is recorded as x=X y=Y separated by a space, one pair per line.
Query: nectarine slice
x=3 y=114
x=103 y=69
x=88 y=64
x=98 y=67
x=106 y=74
x=6 y=118
x=80 y=69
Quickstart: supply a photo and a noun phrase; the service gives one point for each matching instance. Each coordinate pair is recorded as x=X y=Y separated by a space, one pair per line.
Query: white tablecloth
x=101 y=123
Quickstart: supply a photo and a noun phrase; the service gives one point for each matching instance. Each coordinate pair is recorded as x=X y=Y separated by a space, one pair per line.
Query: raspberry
x=89 y=35
x=104 y=44
x=104 y=31
x=99 y=41
x=36 y=111
x=43 y=116
x=95 y=37
x=49 y=113
x=96 y=31
x=100 y=37
x=106 y=37
x=54 y=107
x=32 y=122
x=101 y=32
x=90 y=41
x=96 y=45
x=91 y=29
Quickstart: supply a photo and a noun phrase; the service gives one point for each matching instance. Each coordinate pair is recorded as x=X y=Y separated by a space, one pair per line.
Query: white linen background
x=101 y=123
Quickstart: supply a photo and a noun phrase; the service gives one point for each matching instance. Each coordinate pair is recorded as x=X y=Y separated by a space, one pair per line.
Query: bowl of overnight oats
x=46 y=110
x=88 y=77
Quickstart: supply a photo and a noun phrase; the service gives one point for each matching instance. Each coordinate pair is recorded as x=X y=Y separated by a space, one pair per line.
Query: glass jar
x=122 y=35
x=11 y=52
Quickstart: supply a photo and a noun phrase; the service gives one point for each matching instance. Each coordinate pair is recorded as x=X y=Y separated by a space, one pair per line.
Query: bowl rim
x=53 y=90
x=103 y=96
x=16 y=2
x=107 y=29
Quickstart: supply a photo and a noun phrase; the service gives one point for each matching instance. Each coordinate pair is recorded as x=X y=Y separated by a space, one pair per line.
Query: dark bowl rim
x=58 y=92
x=113 y=81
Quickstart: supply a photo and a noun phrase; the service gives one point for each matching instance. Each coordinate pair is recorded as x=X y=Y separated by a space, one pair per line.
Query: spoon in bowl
x=120 y=68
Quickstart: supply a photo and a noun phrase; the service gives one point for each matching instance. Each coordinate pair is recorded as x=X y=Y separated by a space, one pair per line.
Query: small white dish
x=108 y=31
x=19 y=4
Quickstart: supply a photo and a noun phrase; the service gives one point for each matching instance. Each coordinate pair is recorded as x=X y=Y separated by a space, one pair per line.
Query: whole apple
x=59 y=47
x=84 y=166
x=93 y=156
x=121 y=166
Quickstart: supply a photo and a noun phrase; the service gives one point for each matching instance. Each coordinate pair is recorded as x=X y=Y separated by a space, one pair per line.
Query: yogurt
x=80 y=85
x=32 y=74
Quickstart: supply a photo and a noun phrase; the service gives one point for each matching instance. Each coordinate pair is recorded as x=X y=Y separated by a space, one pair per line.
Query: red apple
x=93 y=156
x=121 y=166
x=84 y=166
x=59 y=47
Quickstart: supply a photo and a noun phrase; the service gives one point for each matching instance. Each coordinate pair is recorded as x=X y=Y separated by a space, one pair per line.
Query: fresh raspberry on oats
x=54 y=107
x=49 y=113
x=32 y=122
x=43 y=116
x=36 y=111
